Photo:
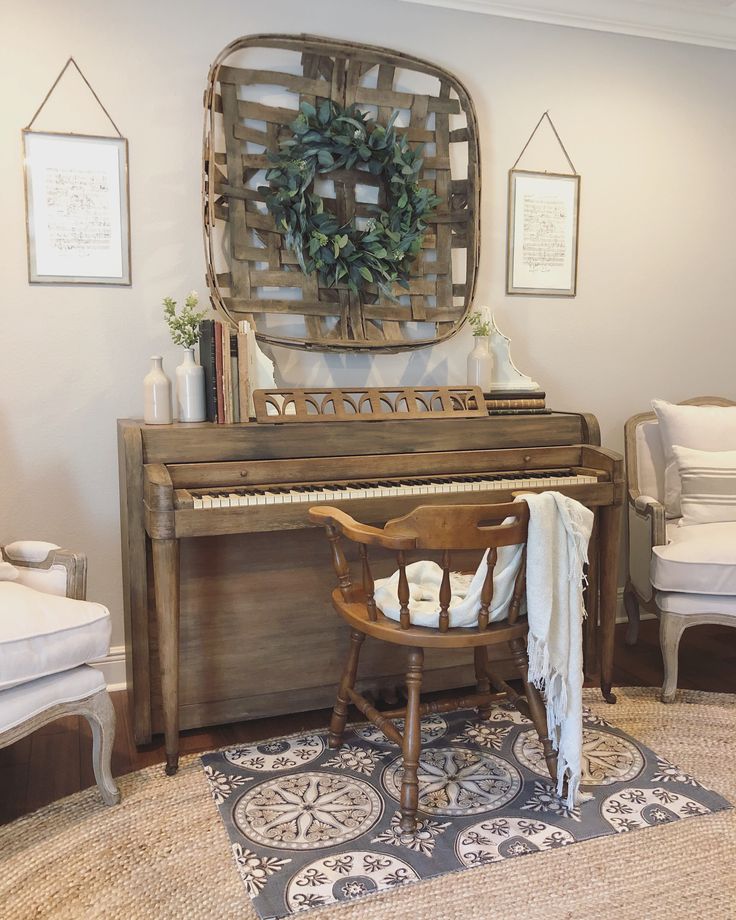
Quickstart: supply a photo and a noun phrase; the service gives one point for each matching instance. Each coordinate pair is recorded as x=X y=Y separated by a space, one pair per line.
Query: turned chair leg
x=671 y=628
x=412 y=741
x=482 y=683
x=631 y=605
x=536 y=705
x=340 y=712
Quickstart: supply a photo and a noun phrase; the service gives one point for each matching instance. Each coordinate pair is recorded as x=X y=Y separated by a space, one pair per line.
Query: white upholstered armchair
x=684 y=574
x=48 y=634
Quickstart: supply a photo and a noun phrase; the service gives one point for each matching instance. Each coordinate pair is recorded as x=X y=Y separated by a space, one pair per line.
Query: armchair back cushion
x=30 y=558
x=699 y=427
x=42 y=634
x=708 y=485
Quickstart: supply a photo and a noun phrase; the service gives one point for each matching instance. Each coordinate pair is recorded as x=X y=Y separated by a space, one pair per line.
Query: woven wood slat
x=251 y=272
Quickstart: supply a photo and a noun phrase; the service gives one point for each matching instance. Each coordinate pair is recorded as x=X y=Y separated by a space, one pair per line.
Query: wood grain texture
x=335 y=319
x=247 y=650
x=448 y=529
x=369 y=404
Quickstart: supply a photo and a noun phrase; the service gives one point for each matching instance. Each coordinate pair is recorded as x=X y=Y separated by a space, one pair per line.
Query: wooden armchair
x=684 y=575
x=445 y=528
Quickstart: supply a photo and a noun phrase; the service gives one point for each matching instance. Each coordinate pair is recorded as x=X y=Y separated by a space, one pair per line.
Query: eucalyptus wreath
x=331 y=138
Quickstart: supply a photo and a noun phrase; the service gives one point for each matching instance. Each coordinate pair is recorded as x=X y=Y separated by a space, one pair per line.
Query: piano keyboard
x=345 y=491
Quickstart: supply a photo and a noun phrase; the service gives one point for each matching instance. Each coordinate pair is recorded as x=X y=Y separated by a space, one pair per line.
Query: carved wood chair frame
x=446 y=528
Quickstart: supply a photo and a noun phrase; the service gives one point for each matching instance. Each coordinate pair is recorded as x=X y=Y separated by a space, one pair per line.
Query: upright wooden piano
x=227 y=586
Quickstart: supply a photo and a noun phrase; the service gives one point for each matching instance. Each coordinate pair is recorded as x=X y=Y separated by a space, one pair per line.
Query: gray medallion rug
x=310 y=826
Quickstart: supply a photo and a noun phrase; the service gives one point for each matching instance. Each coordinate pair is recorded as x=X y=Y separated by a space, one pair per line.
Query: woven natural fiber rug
x=164 y=852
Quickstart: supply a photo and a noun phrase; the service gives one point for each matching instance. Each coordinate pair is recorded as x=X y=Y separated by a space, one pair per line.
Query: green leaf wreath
x=331 y=138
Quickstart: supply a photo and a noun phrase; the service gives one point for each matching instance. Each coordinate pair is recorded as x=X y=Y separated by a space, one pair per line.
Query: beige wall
x=651 y=127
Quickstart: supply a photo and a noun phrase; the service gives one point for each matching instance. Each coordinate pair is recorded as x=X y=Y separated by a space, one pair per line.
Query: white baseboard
x=113 y=664
x=113 y=667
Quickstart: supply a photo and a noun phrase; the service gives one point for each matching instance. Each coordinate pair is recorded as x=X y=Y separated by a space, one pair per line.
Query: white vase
x=190 y=389
x=480 y=363
x=156 y=394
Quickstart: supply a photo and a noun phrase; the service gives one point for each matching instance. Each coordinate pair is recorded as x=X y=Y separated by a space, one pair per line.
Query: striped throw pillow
x=708 y=481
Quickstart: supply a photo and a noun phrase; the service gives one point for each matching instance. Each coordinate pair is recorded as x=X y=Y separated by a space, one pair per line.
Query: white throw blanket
x=557 y=549
x=425 y=578
x=559 y=531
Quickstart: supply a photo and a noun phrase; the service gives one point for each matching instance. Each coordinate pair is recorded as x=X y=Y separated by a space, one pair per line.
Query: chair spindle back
x=433 y=527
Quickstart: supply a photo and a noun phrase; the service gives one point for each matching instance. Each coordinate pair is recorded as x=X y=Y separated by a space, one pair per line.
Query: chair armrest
x=644 y=506
x=39 y=561
x=328 y=516
x=646 y=529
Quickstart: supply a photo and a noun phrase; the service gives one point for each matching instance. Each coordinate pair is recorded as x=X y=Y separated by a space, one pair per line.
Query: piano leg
x=609 y=543
x=591 y=629
x=166 y=581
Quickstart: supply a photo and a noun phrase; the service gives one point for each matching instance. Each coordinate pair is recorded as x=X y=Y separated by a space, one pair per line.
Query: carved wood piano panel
x=245 y=626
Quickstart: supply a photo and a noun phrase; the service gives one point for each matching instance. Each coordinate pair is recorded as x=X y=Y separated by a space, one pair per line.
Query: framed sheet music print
x=542 y=256
x=77 y=214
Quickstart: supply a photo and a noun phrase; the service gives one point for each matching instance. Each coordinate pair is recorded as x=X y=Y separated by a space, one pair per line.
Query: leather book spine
x=207 y=360
x=218 y=372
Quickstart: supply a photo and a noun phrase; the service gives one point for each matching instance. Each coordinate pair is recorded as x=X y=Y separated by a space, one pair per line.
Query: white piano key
x=374 y=490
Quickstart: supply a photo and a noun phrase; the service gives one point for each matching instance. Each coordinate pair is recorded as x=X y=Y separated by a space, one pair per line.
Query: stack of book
x=228 y=359
x=516 y=402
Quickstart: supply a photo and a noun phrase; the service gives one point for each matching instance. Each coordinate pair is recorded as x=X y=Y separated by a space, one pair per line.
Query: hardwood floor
x=57 y=760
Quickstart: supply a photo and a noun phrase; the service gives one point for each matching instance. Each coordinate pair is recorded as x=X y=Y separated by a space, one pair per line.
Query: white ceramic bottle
x=480 y=363
x=156 y=394
x=190 y=389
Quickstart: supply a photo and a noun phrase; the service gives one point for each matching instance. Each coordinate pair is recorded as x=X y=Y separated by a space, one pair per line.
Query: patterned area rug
x=310 y=826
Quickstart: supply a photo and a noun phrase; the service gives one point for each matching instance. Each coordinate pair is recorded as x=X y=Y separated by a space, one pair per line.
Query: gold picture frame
x=542 y=240
x=77 y=208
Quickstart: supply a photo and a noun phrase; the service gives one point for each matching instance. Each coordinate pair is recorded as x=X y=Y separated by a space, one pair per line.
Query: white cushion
x=696 y=560
x=50 y=581
x=699 y=427
x=29 y=550
x=8 y=572
x=43 y=634
x=708 y=485
x=697 y=604
x=21 y=703
x=650 y=460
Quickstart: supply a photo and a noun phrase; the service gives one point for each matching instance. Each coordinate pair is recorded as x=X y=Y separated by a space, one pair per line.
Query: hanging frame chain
x=559 y=141
x=89 y=87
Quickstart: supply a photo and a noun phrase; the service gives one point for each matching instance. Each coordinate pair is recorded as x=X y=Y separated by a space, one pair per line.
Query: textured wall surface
x=648 y=125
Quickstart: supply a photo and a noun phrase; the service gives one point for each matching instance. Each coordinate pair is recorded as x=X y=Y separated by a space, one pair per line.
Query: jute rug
x=164 y=851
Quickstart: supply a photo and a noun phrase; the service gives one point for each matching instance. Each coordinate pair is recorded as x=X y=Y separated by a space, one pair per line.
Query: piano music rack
x=369 y=404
